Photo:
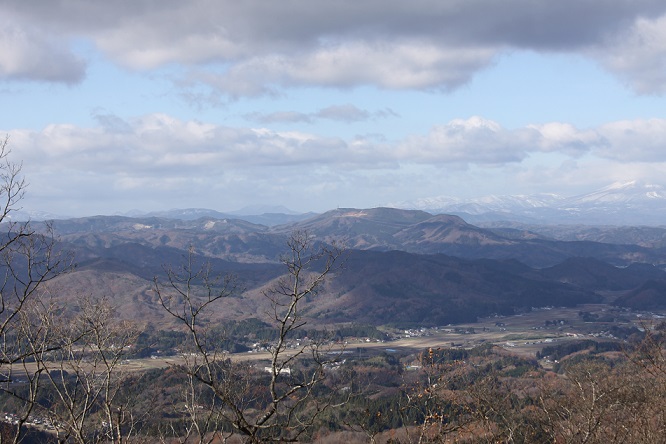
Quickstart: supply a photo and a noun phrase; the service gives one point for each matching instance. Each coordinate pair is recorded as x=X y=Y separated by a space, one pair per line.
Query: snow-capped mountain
x=626 y=193
x=622 y=203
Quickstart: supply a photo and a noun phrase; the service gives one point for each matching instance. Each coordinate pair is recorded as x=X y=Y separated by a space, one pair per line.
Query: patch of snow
x=354 y=214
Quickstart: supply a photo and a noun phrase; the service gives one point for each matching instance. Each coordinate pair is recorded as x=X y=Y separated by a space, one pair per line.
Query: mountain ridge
x=405 y=267
x=621 y=203
x=381 y=229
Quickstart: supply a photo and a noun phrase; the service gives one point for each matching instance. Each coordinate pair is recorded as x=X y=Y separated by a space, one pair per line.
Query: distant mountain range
x=405 y=267
x=627 y=203
x=414 y=231
x=376 y=229
x=280 y=215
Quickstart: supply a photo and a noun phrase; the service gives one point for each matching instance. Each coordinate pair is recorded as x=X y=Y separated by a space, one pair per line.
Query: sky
x=150 y=105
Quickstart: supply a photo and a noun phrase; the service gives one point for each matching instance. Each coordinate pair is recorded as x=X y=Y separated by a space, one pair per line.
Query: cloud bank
x=162 y=143
x=148 y=160
x=255 y=47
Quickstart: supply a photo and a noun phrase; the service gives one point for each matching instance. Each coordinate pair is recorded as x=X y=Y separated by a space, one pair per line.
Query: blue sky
x=151 y=105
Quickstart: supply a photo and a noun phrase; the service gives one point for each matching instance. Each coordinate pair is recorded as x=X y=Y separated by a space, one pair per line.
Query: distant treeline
x=559 y=351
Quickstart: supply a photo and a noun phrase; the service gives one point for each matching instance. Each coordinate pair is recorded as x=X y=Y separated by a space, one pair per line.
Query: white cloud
x=157 y=145
x=474 y=140
x=564 y=137
x=480 y=141
x=634 y=140
x=160 y=158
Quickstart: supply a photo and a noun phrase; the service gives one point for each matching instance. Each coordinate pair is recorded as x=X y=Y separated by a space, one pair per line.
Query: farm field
x=523 y=334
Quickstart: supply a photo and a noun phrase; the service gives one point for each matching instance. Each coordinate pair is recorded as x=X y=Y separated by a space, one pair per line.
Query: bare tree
x=280 y=407
x=603 y=400
x=430 y=410
x=191 y=292
x=28 y=259
x=49 y=355
x=81 y=372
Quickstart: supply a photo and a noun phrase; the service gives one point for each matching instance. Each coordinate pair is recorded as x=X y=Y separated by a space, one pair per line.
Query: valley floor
x=522 y=334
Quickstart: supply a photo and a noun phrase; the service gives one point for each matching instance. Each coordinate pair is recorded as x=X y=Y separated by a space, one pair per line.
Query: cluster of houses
x=423 y=331
x=33 y=420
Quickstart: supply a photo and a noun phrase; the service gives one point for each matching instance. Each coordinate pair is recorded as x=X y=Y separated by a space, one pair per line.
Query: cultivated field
x=523 y=334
